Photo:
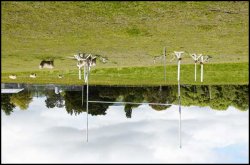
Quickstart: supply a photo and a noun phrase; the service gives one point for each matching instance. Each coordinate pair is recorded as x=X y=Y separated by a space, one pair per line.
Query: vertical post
x=180 y=121
x=201 y=68
x=178 y=55
x=164 y=52
x=179 y=96
x=87 y=104
x=179 y=100
x=210 y=94
x=84 y=73
x=82 y=93
x=195 y=70
x=36 y=92
x=179 y=66
x=80 y=77
x=195 y=58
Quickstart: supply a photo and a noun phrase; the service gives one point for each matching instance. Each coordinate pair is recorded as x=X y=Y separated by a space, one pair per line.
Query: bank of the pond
x=128 y=34
x=214 y=74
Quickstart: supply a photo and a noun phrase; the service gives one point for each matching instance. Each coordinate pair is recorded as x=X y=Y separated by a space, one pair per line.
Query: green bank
x=214 y=74
x=130 y=34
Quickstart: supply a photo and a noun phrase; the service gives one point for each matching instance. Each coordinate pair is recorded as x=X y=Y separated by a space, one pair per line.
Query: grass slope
x=214 y=74
x=128 y=33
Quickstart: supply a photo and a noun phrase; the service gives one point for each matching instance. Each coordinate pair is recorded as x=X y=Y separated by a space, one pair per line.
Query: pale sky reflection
x=41 y=135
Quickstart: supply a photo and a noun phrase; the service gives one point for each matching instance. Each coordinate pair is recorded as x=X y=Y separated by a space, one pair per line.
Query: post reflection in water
x=188 y=90
x=179 y=102
x=87 y=128
x=87 y=107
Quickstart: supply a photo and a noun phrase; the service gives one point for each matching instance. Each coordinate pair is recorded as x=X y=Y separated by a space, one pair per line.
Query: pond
x=49 y=124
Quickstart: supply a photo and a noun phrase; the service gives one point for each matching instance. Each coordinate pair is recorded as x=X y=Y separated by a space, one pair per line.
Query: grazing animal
x=32 y=75
x=60 y=76
x=46 y=64
x=12 y=76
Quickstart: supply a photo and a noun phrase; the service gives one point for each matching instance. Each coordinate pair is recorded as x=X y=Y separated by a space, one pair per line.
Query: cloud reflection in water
x=42 y=135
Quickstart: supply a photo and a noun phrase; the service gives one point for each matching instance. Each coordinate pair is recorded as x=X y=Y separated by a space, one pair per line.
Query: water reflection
x=217 y=97
x=47 y=124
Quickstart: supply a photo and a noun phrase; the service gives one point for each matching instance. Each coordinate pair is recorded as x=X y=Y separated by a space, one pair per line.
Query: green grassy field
x=130 y=34
x=214 y=74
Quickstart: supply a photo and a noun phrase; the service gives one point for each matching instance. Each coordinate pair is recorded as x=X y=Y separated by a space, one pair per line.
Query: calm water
x=48 y=124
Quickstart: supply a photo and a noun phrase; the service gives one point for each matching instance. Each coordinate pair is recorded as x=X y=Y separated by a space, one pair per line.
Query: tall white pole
x=80 y=77
x=84 y=74
x=179 y=67
x=201 y=72
x=164 y=52
x=82 y=93
x=178 y=55
x=210 y=94
x=201 y=68
x=179 y=98
x=195 y=70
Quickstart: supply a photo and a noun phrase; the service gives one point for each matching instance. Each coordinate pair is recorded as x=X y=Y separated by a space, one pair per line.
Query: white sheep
x=12 y=76
x=32 y=75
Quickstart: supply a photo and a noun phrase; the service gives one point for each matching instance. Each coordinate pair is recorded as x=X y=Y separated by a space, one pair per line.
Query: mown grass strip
x=214 y=74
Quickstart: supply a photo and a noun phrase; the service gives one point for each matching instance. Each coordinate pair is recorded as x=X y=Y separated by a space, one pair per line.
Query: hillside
x=128 y=33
